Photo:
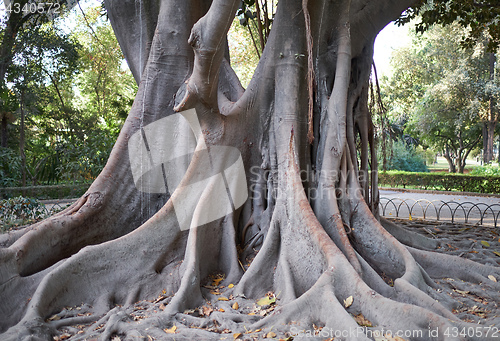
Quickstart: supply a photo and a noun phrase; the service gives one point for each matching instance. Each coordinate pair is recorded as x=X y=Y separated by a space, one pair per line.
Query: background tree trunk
x=490 y=124
x=305 y=236
x=22 y=141
x=5 y=131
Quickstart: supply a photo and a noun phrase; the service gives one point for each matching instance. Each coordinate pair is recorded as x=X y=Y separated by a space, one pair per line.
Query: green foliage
x=8 y=101
x=405 y=158
x=478 y=17
x=488 y=170
x=85 y=161
x=43 y=55
x=443 y=91
x=77 y=94
x=10 y=167
x=107 y=89
x=244 y=58
x=441 y=181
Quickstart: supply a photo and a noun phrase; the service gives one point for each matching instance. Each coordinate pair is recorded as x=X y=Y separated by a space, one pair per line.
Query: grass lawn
x=442 y=164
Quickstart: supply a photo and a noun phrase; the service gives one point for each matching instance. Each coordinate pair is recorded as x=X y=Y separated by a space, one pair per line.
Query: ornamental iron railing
x=438 y=210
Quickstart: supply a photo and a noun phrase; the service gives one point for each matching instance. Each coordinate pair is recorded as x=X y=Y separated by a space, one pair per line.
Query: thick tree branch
x=208 y=38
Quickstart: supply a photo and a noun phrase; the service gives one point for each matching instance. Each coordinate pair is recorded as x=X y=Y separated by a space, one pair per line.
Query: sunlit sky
x=389 y=39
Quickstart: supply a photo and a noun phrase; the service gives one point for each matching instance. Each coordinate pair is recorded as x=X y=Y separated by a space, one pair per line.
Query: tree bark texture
x=305 y=236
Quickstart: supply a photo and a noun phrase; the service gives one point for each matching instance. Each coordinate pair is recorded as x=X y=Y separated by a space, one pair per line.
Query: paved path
x=458 y=208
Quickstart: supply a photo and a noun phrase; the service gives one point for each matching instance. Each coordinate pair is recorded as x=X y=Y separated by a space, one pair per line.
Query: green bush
x=488 y=170
x=404 y=158
x=441 y=181
x=46 y=192
x=10 y=167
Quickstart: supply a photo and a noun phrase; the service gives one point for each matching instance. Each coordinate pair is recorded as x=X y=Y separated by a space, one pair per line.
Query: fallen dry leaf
x=461 y=291
x=362 y=321
x=485 y=243
x=170 y=330
x=62 y=337
x=206 y=311
x=496 y=253
x=221 y=310
x=223 y=298
x=54 y=318
x=271 y=335
x=237 y=335
x=266 y=301
x=348 y=301
x=235 y=306
x=491 y=277
x=217 y=281
x=230 y=286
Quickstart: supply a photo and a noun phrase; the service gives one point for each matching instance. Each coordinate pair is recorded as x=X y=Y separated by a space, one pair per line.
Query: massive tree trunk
x=169 y=216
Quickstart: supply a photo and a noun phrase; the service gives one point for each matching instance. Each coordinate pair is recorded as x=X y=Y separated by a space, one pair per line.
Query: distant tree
x=8 y=106
x=481 y=25
x=444 y=91
x=107 y=88
x=20 y=26
x=48 y=58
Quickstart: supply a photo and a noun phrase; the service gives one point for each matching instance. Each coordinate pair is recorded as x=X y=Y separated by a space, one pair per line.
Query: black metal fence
x=439 y=210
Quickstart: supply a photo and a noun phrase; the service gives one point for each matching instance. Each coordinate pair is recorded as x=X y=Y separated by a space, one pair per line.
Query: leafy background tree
x=105 y=90
x=479 y=20
x=443 y=91
x=76 y=91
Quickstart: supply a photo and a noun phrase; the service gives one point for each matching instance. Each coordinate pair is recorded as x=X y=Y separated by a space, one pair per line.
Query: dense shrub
x=46 y=192
x=10 y=167
x=404 y=158
x=488 y=170
x=441 y=181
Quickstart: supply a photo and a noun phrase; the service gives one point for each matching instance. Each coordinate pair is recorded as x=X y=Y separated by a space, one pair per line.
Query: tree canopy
x=479 y=18
x=443 y=91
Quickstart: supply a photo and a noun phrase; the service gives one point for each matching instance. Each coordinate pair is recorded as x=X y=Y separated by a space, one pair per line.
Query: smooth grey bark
x=117 y=245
